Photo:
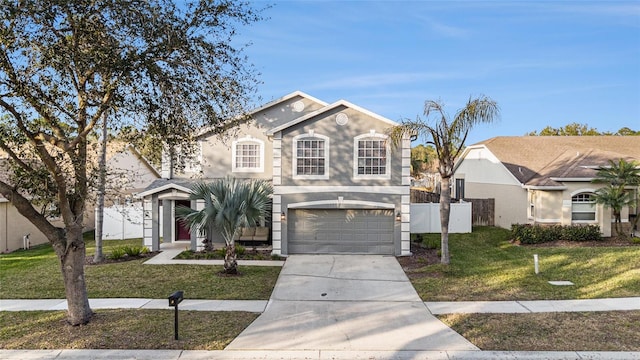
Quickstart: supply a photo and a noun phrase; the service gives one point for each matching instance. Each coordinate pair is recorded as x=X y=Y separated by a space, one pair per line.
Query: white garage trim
x=394 y=190
x=341 y=204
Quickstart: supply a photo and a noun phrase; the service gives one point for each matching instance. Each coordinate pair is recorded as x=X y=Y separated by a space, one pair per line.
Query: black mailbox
x=176 y=298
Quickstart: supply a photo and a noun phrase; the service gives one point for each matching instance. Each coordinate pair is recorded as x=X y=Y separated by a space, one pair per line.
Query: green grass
x=35 y=273
x=575 y=331
x=486 y=266
x=122 y=329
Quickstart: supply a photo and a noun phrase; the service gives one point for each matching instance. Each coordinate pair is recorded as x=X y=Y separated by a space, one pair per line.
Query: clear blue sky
x=544 y=62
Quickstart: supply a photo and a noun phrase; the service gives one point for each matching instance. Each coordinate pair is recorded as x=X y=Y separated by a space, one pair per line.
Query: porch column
x=155 y=230
x=196 y=238
x=166 y=221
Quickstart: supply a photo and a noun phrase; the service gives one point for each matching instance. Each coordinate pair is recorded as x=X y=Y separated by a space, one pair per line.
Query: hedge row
x=536 y=234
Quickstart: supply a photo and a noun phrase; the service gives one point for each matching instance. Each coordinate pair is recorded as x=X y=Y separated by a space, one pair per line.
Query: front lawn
x=35 y=274
x=576 y=331
x=122 y=329
x=486 y=266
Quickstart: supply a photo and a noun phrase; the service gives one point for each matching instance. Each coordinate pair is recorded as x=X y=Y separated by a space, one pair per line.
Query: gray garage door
x=340 y=231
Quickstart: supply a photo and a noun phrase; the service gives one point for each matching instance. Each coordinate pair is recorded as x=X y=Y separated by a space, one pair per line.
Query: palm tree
x=448 y=137
x=615 y=198
x=618 y=176
x=229 y=205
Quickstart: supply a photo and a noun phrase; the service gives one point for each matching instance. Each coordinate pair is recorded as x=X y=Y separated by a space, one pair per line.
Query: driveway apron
x=346 y=302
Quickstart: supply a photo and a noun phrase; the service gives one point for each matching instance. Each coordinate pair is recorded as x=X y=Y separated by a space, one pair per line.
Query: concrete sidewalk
x=533 y=306
x=310 y=355
x=258 y=306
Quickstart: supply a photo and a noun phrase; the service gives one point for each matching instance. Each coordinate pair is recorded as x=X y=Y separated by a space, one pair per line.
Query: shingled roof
x=546 y=160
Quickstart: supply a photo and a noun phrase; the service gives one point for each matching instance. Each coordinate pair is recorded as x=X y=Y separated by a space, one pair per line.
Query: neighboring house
x=543 y=179
x=128 y=173
x=14 y=227
x=338 y=186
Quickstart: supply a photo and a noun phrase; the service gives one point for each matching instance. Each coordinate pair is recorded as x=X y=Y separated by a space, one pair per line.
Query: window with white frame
x=583 y=207
x=310 y=156
x=370 y=156
x=248 y=155
x=532 y=206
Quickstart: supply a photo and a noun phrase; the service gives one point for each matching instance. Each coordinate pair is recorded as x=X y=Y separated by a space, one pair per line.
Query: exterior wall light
x=398 y=216
x=283 y=217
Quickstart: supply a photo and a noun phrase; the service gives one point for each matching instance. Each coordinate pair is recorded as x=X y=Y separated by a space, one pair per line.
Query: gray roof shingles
x=538 y=160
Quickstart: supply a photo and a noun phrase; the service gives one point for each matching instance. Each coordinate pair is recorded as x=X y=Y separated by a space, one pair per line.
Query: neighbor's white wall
x=425 y=218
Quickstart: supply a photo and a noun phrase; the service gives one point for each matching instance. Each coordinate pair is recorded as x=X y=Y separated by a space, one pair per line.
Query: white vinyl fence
x=122 y=222
x=425 y=218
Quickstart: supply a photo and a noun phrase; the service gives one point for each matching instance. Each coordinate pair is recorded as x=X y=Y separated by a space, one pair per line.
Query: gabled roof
x=161 y=185
x=205 y=130
x=329 y=108
x=285 y=98
x=547 y=160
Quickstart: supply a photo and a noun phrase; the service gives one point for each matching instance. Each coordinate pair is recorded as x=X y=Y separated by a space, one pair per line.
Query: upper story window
x=247 y=155
x=370 y=156
x=583 y=207
x=310 y=156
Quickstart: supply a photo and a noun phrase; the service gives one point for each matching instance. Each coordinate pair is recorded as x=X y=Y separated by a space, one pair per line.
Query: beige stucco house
x=543 y=179
x=338 y=185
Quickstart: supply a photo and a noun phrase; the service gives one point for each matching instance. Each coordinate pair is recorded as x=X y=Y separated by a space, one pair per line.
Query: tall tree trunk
x=230 y=262
x=72 y=258
x=445 y=210
x=102 y=179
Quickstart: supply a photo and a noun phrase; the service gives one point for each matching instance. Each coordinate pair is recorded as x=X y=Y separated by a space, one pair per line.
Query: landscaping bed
x=242 y=253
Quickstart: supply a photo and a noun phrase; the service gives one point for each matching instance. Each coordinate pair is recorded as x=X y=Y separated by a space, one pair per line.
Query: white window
x=370 y=157
x=247 y=155
x=310 y=156
x=532 y=206
x=583 y=207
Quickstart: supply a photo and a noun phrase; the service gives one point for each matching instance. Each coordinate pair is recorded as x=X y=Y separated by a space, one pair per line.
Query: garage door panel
x=355 y=231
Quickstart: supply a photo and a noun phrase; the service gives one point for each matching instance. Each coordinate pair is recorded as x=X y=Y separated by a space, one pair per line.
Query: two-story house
x=339 y=187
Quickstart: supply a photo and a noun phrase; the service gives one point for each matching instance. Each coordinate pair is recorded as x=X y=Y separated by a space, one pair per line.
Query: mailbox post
x=174 y=300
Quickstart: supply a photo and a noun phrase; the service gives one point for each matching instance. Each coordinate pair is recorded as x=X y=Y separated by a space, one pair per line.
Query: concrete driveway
x=346 y=302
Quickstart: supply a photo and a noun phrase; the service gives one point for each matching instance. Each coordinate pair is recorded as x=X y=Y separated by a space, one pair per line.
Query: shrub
x=135 y=251
x=581 y=233
x=536 y=234
x=117 y=253
x=432 y=243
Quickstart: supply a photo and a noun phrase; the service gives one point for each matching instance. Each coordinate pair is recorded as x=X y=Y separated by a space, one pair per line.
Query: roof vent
x=298 y=106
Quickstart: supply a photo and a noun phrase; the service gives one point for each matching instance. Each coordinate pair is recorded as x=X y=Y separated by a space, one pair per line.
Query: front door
x=182 y=231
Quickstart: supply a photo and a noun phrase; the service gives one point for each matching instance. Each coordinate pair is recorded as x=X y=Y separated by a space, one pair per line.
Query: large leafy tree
x=229 y=205
x=423 y=159
x=448 y=136
x=152 y=64
x=622 y=179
